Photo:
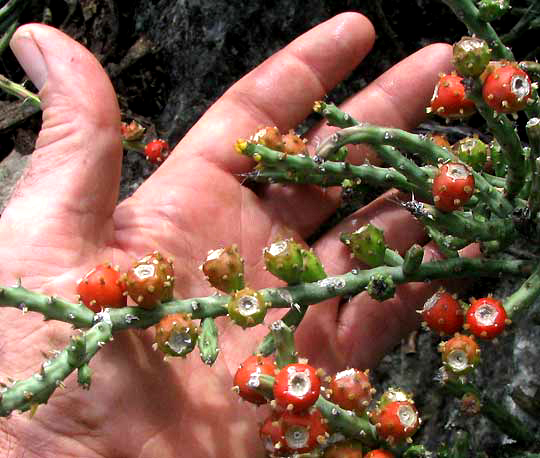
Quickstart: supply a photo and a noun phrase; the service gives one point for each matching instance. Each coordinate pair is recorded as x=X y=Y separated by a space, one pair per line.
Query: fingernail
x=30 y=57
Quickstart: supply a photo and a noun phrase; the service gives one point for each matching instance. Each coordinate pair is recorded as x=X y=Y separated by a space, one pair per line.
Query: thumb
x=72 y=180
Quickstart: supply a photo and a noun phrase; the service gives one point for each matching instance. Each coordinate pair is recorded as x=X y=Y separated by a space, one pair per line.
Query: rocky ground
x=169 y=60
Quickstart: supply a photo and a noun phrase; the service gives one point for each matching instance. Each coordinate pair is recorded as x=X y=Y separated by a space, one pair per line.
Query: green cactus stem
x=24 y=395
x=533 y=133
x=84 y=376
x=416 y=451
x=273 y=175
x=133 y=146
x=377 y=137
x=346 y=422
x=292 y=319
x=300 y=165
x=296 y=298
x=498 y=161
x=334 y=115
x=428 y=151
x=381 y=287
x=445 y=242
x=507 y=137
x=284 y=342
x=463 y=224
x=467 y=12
x=19 y=91
x=530 y=67
x=208 y=341
x=51 y=307
x=525 y=295
x=9 y=16
x=413 y=259
x=6 y=37
x=494 y=411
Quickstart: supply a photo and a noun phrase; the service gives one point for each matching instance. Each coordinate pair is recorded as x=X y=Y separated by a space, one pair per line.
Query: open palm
x=63 y=219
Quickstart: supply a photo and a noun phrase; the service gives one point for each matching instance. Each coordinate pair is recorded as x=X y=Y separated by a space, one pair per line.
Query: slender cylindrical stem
x=19 y=91
x=467 y=12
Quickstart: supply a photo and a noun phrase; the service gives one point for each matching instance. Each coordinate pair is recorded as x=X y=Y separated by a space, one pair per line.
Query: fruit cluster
x=155 y=151
x=296 y=425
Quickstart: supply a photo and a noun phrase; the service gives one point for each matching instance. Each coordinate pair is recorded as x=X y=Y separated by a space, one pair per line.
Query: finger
x=279 y=92
x=401 y=230
x=364 y=329
x=396 y=99
x=367 y=329
x=71 y=184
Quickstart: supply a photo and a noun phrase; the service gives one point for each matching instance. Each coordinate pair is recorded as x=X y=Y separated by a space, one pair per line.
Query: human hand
x=63 y=219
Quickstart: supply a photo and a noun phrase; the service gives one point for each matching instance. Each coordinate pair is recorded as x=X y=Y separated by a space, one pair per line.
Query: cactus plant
x=470 y=206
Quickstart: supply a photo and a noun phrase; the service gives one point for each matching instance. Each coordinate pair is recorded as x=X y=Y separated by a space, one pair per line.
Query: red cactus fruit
x=156 y=151
x=396 y=421
x=380 y=453
x=507 y=88
x=176 y=335
x=344 y=449
x=248 y=372
x=150 y=280
x=452 y=187
x=460 y=354
x=102 y=287
x=351 y=390
x=297 y=386
x=271 y=434
x=303 y=431
x=442 y=313
x=449 y=100
x=486 y=318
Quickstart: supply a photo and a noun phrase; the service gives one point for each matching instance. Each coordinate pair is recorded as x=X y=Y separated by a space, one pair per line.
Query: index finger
x=279 y=92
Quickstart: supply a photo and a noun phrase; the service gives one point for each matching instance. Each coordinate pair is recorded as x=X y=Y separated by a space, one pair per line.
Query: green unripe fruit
x=339 y=155
x=247 y=308
x=471 y=56
x=367 y=244
x=381 y=287
x=312 y=269
x=224 y=269
x=284 y=260
x=473 y=152
x=489 y=10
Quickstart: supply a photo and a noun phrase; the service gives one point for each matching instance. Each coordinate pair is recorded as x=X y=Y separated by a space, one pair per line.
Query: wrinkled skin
x=64 y=219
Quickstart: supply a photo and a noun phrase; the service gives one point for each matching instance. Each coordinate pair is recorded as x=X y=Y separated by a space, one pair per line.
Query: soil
x=170 y=60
